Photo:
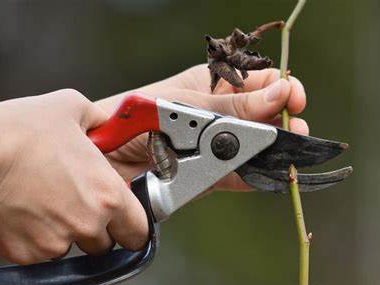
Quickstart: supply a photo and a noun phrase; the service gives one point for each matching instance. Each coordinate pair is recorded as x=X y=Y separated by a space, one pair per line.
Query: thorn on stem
x=310 y=236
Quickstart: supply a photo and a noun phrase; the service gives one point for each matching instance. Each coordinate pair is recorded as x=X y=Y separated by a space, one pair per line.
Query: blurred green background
x=104 y=47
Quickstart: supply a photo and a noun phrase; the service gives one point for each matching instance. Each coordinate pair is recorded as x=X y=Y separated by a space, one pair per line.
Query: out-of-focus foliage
x=105 y=47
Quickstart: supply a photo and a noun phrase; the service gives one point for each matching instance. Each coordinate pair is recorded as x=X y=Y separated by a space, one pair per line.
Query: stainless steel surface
x=182 y=124
x=195 y=174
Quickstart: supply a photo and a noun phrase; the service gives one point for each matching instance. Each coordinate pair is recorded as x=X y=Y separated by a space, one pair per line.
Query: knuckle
x=240 y=105
x=88 y=229
x=138 y=241
x=74 y=97
x=136 y=235
x=25 y=259
x=111 y=202
x=53 y=249
x=138 y=238
x=19 y=256
x=269 y=75
x=72 y=93
x=109 y=195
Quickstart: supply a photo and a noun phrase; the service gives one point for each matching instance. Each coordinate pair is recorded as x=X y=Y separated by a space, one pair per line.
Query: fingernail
x=273 y=92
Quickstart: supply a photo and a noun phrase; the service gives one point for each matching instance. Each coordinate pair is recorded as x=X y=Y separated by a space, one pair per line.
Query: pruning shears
x=191 y=149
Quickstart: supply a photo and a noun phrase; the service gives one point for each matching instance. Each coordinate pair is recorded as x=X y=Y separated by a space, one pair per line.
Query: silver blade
x=301 y=151
x=278 y=181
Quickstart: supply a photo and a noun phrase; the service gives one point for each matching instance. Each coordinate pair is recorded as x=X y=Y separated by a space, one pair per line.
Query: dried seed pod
x=221 y=69
x=246 y=60
x=216 y=48
x=239 y=39
x=226 y=56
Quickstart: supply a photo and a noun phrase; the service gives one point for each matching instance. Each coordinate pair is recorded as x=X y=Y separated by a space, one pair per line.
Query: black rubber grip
x=118 y=265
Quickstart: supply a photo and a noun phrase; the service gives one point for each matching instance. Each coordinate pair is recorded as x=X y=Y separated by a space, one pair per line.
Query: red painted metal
x=136 y=115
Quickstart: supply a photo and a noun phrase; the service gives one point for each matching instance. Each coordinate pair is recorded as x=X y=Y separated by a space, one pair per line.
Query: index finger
x=259 y=79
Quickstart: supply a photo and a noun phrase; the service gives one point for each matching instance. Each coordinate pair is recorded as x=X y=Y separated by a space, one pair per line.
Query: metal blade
x=301 y=151
x=278 y=180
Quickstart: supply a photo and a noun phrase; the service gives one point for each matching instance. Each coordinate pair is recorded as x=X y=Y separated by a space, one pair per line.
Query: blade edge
x=302 y=151
x=279 y=181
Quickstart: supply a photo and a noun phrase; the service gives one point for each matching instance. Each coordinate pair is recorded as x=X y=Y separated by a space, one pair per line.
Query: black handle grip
x=114 y=267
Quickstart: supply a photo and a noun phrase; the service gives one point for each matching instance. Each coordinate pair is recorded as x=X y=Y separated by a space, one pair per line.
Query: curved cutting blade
x=301 y=151
x=278 y=180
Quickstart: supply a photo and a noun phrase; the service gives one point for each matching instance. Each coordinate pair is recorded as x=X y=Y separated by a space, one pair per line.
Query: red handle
x=135 y=115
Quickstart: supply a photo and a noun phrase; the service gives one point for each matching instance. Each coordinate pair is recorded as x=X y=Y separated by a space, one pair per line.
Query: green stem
x=303 y=237
x=285 y=34
x=285 y=119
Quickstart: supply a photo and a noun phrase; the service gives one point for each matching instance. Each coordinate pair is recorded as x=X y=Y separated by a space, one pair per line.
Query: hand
x=262 y=99
x=56 y=187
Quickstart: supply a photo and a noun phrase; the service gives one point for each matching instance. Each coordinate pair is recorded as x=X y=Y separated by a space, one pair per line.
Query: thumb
x=259 y=105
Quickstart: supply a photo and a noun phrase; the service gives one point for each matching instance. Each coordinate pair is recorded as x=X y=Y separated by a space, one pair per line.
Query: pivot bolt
x=225 y=146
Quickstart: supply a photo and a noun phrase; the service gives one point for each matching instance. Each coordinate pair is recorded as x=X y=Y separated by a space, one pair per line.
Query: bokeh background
x=104 y=47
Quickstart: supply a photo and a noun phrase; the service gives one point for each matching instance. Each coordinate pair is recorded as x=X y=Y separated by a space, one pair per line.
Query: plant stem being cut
x=303 y=237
